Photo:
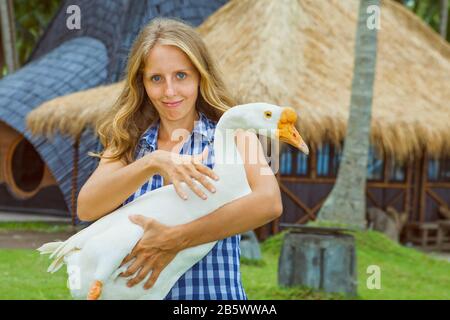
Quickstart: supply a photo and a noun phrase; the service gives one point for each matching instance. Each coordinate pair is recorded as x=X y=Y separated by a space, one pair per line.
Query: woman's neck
x=169 y=131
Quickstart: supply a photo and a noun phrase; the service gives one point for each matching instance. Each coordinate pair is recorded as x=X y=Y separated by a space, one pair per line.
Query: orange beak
x=287 y=131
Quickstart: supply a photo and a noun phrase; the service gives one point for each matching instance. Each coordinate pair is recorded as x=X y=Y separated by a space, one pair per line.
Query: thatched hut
x=40 y=174
x=300 y=53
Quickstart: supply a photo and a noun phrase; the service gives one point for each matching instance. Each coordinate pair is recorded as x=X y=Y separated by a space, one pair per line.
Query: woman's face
x=171 y=82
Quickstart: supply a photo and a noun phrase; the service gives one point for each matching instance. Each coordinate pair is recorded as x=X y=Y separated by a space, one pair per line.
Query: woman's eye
x=181 y=75
x=155 y=78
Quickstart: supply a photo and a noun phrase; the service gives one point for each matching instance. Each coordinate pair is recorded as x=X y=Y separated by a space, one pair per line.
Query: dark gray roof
x=66 y=61
x=117 y=22
x=75 y=65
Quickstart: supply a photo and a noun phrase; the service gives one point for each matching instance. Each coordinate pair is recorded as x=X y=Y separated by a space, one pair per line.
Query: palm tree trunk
x=444 y=19
x=8 y=35
x=346 y=203
x=2 y=58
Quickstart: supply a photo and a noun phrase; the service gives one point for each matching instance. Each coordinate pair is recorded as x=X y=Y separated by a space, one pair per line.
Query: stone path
x=21 y=217
x=26 y=239
x=15 y=239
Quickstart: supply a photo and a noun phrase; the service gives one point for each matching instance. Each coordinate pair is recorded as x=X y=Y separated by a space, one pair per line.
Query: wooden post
x=406 y=205
x=313 y=161
x=386 y=167
x=319 y=259
x=416 y=190
x=75 y=179
x=423 y=181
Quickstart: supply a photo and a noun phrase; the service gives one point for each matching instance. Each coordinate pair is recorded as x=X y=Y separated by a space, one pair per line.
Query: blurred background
x=306 y=54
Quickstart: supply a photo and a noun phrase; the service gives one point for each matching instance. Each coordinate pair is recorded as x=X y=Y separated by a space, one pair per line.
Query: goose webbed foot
x=95 y=291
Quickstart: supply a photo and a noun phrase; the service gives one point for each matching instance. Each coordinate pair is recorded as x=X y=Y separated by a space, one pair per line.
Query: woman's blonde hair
x=133 y=111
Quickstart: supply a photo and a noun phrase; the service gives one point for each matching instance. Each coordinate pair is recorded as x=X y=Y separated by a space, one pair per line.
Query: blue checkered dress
x=217 y=276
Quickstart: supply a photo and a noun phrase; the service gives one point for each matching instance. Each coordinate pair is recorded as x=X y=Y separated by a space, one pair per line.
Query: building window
x=293 y=162
x=286 y=161
x=374 y=166
x=328 y=160
x=302 y=164
x=396 y=172
x=433 y=170
x=323 y=160
x=439 y=170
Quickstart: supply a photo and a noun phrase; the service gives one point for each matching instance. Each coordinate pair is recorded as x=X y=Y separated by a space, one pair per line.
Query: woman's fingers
x=200 y=167
x=179 y=189
x=202 y=179
x=131 y=255
x=124 y=261
x=166 y=178
x=151 y=281
x=135 y=266
x=188 y=180
x=141 y=275
x=185 y=168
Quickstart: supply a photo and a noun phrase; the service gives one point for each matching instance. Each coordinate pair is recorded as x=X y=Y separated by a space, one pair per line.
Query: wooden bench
x=425 y=234
x=443 y=235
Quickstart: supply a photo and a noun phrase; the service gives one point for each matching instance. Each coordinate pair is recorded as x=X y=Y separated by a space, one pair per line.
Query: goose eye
x=268 y=114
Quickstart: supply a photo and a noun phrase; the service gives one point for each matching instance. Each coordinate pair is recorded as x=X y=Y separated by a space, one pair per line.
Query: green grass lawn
x=405 y=273
x=35 y=226
x=23 y=276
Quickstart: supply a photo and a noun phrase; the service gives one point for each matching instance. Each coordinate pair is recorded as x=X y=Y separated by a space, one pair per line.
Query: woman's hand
x=156 y=249
x=178 y=168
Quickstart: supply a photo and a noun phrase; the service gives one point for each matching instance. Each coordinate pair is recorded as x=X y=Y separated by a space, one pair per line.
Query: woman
x=167 y=111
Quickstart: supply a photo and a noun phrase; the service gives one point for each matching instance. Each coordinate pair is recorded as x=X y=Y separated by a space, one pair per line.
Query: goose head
x=266 y=119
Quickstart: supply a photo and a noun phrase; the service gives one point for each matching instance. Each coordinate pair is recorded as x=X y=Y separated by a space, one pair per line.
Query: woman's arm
x=110 y=185
x=113 y=181
x=160 y=243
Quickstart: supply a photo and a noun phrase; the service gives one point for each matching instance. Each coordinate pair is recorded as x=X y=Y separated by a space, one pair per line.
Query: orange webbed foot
x=95 y=291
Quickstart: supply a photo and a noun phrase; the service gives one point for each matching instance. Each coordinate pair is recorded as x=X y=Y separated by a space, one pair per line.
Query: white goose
x=94 y=254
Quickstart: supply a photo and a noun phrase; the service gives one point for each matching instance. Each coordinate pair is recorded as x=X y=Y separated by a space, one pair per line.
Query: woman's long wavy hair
x=133 y=111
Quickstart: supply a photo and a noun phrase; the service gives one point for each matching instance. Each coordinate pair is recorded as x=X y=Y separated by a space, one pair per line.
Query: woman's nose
x=169 y=89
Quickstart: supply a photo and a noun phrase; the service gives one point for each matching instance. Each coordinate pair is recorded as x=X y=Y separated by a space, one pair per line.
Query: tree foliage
x=429 y=11
x=32 y=17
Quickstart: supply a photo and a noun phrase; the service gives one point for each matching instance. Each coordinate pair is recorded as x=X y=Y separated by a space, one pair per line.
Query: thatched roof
x=70 y=114
x=300 y=53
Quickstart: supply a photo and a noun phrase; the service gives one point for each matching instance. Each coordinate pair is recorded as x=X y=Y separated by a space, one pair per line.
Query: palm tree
x=346 y=203
x=443 y=19
x=2 y=58
x=8 y=35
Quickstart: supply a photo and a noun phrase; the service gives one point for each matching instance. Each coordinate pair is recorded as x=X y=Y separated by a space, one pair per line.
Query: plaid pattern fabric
x=217 y=276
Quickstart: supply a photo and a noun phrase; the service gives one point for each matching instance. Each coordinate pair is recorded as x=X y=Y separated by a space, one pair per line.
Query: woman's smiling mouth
x=173 y=104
